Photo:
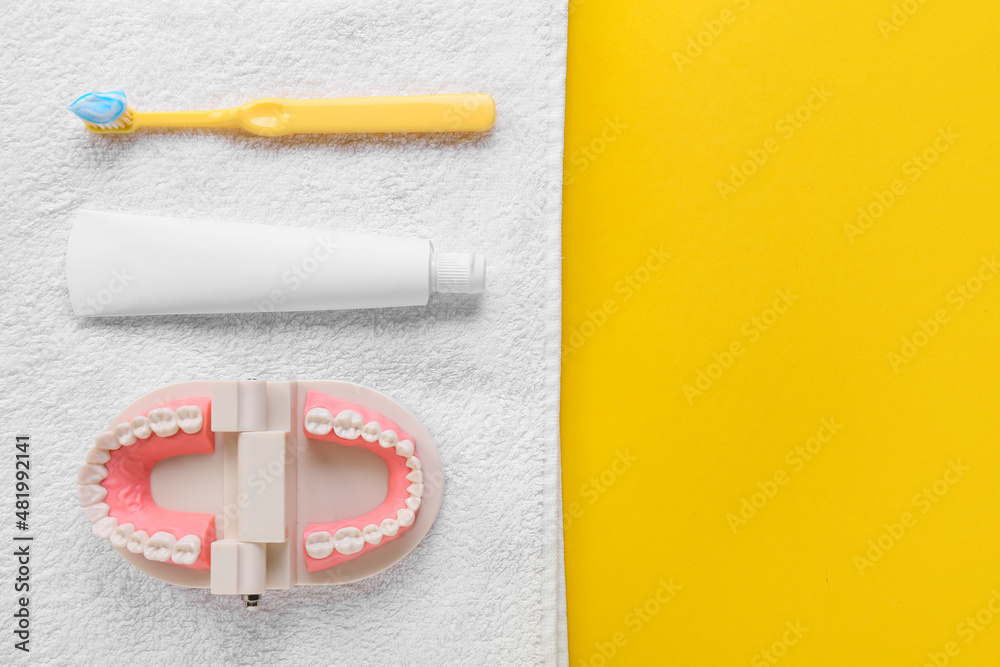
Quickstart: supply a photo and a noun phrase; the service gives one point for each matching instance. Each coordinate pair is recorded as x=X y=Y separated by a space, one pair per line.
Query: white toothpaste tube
x=124 y=264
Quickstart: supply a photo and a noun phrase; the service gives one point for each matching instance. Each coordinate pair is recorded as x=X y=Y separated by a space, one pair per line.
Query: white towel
x=485 y=586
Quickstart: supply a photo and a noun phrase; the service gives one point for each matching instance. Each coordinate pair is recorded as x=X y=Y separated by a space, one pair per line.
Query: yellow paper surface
x=780 y=427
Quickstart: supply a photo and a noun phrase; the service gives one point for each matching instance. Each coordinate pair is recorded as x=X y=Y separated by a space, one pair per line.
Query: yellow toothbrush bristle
x=123 y=122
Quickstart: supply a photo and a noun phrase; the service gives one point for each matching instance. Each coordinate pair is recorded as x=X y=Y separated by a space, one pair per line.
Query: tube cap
x=459 y=272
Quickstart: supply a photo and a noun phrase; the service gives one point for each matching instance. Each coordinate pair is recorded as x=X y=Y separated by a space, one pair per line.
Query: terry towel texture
x=485 y=587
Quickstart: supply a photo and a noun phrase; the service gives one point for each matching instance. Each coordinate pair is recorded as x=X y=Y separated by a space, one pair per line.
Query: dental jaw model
x=241 y=487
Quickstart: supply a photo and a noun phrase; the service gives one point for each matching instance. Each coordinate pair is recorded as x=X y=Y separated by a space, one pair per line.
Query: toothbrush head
x=104 y=112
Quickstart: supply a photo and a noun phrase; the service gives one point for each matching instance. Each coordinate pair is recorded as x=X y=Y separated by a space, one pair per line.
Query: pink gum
x=130 y=498
x=396 y=496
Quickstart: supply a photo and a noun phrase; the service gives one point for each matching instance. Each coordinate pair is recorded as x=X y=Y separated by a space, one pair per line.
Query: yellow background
x=649 y=137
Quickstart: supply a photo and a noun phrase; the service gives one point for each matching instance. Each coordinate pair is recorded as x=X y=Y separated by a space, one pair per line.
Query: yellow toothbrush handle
x=418 y=113
x=275 y=117
x=216 y=118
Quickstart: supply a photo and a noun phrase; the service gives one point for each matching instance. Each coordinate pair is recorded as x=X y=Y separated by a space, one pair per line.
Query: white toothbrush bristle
x=122 y=122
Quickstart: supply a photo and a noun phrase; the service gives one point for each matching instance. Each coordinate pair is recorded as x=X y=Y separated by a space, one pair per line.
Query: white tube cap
x=459 y=272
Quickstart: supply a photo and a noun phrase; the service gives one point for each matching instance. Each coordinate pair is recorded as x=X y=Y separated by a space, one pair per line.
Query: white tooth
x=98 y=456
x=405 y=448
x=96 y=512
x=137 y=541
x=124 y=434
x=161 y=544
x=413 y=462
x=373 y=535
x=389 y=527
x=319 y=421
x=416 y=490
x=90 y=494
x=348 y=425
x=413 y=503
x=122 y=533
x=371 y=431
x=405 y=517
x=91 y=473
x=189 y=419
x=187 y=550
x=388 y=439
x=163 y=421
x=105 y=527
x=416 y=476
x=140 y=427
x=319 y=544
x=107 y=440
x=348 y=540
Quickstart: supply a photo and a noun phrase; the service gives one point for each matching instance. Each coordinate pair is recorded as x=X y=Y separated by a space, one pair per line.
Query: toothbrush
x=109 y=113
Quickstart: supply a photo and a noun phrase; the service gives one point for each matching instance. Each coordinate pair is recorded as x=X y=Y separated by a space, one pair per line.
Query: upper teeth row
x=349 y=425
x=161 y=546
x=164 y=422
x=349 y=540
